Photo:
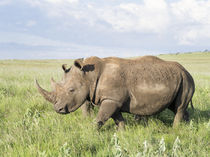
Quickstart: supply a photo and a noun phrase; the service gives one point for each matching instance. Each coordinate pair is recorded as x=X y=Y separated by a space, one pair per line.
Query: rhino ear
x=65 y=69
x=79 y=63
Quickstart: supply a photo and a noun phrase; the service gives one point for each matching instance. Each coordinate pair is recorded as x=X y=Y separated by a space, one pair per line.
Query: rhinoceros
x=142 y=86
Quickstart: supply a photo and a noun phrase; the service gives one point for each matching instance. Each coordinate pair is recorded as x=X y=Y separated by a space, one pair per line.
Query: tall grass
x=30 y=127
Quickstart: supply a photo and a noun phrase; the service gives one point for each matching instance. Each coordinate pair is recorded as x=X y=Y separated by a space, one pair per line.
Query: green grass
x=30 y=127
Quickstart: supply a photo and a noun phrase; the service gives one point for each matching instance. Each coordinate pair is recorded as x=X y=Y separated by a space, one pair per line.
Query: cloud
x=151 y=16
x=61 y=1
x=5 y=2
x=133 y=25
x=192 y=11
x=186 y=17
x=31 y=23
x=56 y=8
x=192 y=20
x=56 y=2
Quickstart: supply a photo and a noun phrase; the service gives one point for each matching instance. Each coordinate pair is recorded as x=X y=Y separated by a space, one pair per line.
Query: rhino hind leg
x=180 y=110
x=106 y=110
x=181 y=116
x=181 y=102
x=178 y=117
x=186 y=116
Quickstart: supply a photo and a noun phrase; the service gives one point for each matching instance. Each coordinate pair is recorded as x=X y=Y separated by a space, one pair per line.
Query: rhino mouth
x=64 y=110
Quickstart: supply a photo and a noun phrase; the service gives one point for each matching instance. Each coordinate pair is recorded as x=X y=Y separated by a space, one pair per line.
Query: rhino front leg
x=86 y=109
x=107 y=109
x=119 y=120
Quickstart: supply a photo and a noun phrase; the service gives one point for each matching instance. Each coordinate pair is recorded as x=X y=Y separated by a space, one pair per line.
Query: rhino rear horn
x=49 y=96
x=65 y=69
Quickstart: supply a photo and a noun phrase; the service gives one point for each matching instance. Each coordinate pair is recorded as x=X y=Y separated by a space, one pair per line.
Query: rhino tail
x=192 y=105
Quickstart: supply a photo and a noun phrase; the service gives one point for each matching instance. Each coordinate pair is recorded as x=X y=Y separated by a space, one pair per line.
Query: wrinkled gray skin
x=142 y=86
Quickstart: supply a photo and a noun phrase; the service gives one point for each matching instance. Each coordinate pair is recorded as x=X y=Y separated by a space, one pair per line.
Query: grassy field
x=30 y=127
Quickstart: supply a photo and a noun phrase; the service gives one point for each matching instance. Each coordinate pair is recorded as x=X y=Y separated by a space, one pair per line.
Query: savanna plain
x=30 y=127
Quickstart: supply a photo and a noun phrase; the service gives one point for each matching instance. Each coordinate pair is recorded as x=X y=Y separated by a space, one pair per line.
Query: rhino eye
x=71 y=89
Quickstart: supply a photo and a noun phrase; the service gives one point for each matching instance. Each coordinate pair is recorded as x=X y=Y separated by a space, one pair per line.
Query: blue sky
x=56 y=29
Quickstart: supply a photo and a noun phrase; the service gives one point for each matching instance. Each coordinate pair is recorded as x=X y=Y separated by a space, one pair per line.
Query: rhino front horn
x=53 y=84
x=49 y=96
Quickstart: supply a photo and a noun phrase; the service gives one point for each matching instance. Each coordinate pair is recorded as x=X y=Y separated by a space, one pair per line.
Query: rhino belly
x=151 y=100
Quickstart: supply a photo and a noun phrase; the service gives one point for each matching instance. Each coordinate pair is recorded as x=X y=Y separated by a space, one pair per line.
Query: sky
x=61 y=29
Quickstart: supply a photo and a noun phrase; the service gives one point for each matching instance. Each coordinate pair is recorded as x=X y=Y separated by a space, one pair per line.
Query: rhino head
x=68 y=95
